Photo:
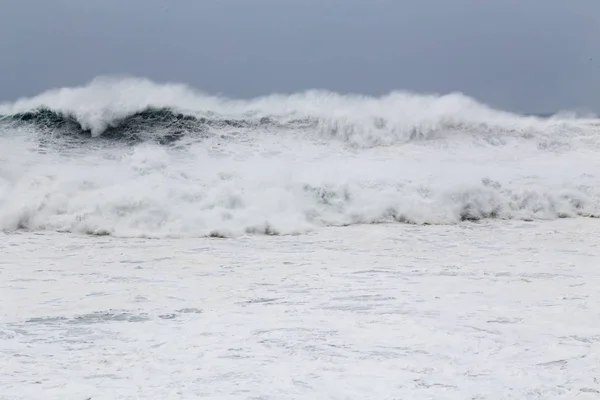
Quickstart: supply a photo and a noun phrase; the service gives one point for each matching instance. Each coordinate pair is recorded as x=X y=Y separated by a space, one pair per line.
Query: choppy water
x=134 y=158
x=161 y=243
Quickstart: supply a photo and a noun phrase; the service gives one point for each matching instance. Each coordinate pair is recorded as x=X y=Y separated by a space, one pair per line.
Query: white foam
x=361 y=120
x=288 y=183
x=501 y=310
x=152 y=191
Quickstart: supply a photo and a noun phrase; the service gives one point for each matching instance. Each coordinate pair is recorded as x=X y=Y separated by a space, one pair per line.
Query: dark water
x=165 y=126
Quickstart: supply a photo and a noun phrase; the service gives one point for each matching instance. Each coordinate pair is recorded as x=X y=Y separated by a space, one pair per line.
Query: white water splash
x=482 y=164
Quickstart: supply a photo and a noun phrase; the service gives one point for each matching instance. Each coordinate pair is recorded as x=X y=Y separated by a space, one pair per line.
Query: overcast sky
x=522 y=55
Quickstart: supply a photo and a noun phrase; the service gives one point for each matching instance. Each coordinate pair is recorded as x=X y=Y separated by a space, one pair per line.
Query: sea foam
x=129 y=157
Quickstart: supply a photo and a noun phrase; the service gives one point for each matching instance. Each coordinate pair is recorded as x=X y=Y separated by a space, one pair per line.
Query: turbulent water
x=131 y=157
x=427 y=304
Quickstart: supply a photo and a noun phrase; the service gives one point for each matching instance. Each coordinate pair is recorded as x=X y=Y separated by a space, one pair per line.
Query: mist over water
x=129 y=157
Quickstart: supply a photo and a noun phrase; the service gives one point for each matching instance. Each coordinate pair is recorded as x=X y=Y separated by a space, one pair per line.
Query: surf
x=131 y=157
x=126 y=108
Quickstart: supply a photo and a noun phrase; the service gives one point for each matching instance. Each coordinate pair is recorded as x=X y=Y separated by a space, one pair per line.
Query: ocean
x=157 y=242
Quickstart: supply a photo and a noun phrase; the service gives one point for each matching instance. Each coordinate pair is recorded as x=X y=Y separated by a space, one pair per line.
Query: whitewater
x=160 y=242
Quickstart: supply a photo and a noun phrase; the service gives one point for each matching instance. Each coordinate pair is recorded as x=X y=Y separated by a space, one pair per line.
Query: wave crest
x=270 y=165
x=138 y=110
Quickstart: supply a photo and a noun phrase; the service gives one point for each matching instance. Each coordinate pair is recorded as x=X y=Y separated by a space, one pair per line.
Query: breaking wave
x=170 y=161
x=140 y=110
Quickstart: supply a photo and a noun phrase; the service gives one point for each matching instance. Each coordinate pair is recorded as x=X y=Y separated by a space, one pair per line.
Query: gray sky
x=524 y=55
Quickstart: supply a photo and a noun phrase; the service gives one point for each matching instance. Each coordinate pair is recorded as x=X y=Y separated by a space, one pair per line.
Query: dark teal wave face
x=160 y=125
x=126 y=129
x=168 y=126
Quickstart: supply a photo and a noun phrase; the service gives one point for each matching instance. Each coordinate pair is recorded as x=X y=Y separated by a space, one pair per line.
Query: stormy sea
x=157 y=242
